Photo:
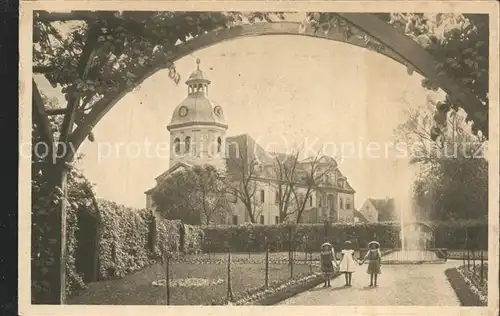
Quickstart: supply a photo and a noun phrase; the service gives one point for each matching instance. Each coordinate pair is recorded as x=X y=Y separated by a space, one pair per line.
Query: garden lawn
x=136 y=288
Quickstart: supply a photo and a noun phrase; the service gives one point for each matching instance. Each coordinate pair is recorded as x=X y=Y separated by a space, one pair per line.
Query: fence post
x=267 y=263
x=468 y=259
x=289 y=245
x=229 y=288
x=482 y=267
x=474 y=261
x=291 y=252
x=167 y=275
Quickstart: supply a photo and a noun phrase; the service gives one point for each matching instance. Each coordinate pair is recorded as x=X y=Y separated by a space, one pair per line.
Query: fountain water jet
x=413 y=240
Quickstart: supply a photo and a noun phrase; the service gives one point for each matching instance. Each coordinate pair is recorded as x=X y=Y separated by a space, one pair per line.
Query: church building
x=198 y=137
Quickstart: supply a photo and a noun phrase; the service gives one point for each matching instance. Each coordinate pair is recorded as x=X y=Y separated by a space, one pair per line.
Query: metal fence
x=229 y=276
x=476 y=263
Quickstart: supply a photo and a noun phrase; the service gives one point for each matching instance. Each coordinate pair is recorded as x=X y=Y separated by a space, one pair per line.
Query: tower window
x=219 y=144
x=187 y=144
x=177 y=142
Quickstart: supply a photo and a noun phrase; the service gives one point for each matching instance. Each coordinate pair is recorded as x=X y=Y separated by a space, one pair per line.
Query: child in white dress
x=348 y=263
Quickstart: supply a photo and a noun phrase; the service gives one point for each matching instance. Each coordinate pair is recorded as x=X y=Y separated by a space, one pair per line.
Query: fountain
x=413 y=237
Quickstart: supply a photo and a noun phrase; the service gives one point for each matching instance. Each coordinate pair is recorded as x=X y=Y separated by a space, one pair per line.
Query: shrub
x=193 y=237
x=309 y=237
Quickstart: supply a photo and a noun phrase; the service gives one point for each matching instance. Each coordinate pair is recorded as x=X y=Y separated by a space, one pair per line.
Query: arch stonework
x=419 y=223
x=391 y=43
x=428 y=243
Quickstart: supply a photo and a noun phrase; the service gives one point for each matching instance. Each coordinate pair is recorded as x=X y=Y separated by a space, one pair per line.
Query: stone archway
x=391 y=43
x=417 y=235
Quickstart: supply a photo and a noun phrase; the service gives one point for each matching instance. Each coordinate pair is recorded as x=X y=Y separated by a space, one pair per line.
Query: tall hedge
x=129 y=239
x=252 y=238
x=123 y=240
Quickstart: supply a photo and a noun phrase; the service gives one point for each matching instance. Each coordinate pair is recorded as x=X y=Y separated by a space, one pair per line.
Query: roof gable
x=175 y=168
x=386 y=208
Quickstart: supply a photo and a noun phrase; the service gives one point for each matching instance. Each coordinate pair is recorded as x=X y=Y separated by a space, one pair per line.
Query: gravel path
x=403 y=285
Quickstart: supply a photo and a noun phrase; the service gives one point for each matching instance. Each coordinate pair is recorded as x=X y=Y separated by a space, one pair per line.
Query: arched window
x=177 y=143
x=219 y=144
x=187 y=144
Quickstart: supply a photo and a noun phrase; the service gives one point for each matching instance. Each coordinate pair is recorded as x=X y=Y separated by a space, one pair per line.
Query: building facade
x=198 y=137
x=379 y=210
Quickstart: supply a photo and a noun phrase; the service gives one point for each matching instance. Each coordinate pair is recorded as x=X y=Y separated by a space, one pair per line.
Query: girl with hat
x=347 y=263
x=327 y=262
x=374 y=258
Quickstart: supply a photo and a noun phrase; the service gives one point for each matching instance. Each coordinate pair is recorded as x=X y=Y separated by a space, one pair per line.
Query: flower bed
x=188 y=282
x=137 y=288
x=275 y=292
x=467 y=291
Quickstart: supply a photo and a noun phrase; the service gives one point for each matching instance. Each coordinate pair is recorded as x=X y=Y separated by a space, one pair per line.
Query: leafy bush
x=309 y=237
x=193 y=237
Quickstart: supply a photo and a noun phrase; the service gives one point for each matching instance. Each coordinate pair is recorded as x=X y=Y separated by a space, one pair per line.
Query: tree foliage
x=452 y=181
x=122 y=48
x=459 y=42
x=196 y=196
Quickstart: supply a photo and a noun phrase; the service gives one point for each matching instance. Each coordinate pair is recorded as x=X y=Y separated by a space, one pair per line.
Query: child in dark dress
x=327 y=262
x=374 y=258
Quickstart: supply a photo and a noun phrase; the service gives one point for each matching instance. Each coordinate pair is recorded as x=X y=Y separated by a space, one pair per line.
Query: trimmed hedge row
x=309 y=237
x=128 y=239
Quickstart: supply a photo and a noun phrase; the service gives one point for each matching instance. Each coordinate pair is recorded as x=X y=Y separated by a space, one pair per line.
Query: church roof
x=197 y=108
x=198 y=76
x=242 y=150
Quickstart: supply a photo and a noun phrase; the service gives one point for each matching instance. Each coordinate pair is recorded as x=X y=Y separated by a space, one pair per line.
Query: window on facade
x=310 y=200
x=341 y=204
x=276 y=220
x=319 y=201
x=235 y=219
x=262 y=219
x=262 y=196
x=177 y=144
x=187 y=144
x=277 y=198
x=219 y=144
x=348 y=204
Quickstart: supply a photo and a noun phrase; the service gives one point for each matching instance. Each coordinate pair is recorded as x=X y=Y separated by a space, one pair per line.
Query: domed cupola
x=197 y=109
x=198 y=128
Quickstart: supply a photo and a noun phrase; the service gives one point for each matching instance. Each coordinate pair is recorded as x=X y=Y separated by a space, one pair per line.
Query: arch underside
x=373 y=34
x=418 y=223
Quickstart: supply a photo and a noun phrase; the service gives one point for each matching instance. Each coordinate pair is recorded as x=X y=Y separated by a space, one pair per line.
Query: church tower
x=198 y=128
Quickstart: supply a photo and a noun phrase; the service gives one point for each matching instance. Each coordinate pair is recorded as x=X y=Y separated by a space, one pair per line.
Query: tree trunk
x=53 y=249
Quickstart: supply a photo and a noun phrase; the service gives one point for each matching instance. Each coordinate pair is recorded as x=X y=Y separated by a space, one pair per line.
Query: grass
x=136 y=288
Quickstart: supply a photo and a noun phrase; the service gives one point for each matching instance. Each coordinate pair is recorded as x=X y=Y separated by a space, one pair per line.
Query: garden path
x=401 y=284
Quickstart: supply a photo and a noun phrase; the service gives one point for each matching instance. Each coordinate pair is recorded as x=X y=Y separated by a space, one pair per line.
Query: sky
x=284 y=91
